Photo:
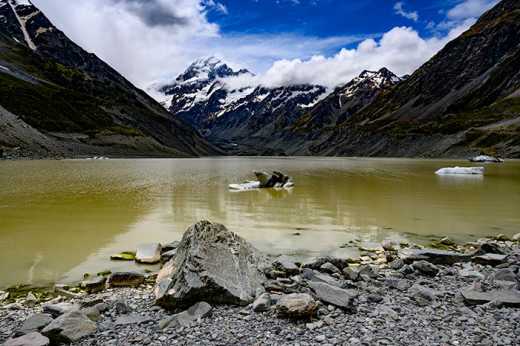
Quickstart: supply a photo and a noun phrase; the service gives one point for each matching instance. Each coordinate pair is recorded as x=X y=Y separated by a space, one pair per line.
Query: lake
x=61 y=219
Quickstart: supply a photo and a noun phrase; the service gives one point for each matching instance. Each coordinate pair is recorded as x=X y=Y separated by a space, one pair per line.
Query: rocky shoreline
x=218 y=290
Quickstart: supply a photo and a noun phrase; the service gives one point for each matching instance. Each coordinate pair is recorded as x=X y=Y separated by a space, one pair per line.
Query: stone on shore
x=316 y=276
x=316 y=263
x=148 y=253
x=422 y=295
x=31 y=339
x=213 y=264
x=188 y=317
x=503 y=297
x=94 y=284
x=286 y=265
x=262 y=303
x=34 y=323
x=296 y=305
x=435 y=256
x=491 y=259
x=333 y=295
x=69 y=327
x=132 y=319
x=125 y=279
x=426 y=268
x=59 y=309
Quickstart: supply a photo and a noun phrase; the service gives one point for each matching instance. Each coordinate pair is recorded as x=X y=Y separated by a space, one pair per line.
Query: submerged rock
x=123 y=256
x=296 y=305
x=213 y=264
x=94 y=284
x=148 y=253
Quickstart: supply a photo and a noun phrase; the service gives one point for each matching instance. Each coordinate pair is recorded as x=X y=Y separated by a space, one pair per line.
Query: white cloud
x=470 y=9
x=399 y=9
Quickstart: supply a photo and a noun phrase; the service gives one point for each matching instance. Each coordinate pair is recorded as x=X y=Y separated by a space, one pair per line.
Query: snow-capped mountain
x=58 y=99
x=201 y=93
x=348 y=99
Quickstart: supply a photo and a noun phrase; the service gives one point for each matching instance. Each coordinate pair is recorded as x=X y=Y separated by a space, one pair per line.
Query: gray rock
x=31 y=339
x=286 y=264
x=94 y=284
x=58 y=309
x=334 y=295
x=315 y=276
x=516 y=237
x=168 y=255
x=351 y=274
x=330 y=268
x=92 y=313
x=262 y=303
x=505 y=274
x=316 y=263
x=188 y=317
x=367 y=271
x=169 y=247
x=422 y=295
x=132 y=319
x=296 y=305
x=125 y=279
x=491 y=259
x=69 y=327
x=425 y=268
x=121 y=307
x=211 y=263
x=434 y=256
x=396 y=264
x=34 y=323
x=389 y=245
x=148 y=253
x=504 y=297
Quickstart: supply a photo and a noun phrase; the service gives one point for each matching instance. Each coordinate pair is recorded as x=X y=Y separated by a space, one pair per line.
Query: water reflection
x=59 y=220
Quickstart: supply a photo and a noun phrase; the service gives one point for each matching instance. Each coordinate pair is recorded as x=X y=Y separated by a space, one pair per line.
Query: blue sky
x=325 y=42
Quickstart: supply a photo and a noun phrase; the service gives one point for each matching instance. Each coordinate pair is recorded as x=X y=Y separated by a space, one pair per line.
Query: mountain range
x=58 y=99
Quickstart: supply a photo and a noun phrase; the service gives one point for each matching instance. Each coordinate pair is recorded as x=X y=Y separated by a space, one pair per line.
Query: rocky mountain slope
x=465 y=100
x=58 y=100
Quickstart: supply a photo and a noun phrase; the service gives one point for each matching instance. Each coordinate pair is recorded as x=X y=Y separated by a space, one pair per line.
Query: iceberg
x=461 y=170
x=486 y=159
x=277 y=180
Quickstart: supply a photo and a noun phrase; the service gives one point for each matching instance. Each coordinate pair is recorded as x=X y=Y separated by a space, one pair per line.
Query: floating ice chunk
x=486 y=158
x=461 y=170
x=250 y=185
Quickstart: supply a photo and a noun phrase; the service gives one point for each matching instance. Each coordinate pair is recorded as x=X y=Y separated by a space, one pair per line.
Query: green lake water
x=61 y=219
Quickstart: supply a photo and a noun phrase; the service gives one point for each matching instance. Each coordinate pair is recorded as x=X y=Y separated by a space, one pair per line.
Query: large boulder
x=34 y=323
x=213 y=265
x=31 y=339
x=296 y=305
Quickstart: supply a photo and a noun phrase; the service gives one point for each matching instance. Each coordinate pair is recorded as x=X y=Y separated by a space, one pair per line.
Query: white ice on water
x=461 y=170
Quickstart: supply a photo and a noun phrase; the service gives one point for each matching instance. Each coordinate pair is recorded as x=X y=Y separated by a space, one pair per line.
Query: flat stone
x=333 y=295
x=58 y=309
x=505 y=274
x=69 y=327
x=316 y=276
x=132 y=319
x=95 y=284
x=316 y=263
x=34 y=323
x=92 y=313
x=491 y=259
x=286 y=264
x=262 y=303
x=296 y=305
x=505 y=297
x=148 y=253
x=434 y=256
x=188 y=317
x=125 y=279
x=213 y=263
x=31 y=339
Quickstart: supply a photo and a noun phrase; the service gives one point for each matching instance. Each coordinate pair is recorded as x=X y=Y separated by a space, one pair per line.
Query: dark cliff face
x=57 y=88
x=464 y=100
